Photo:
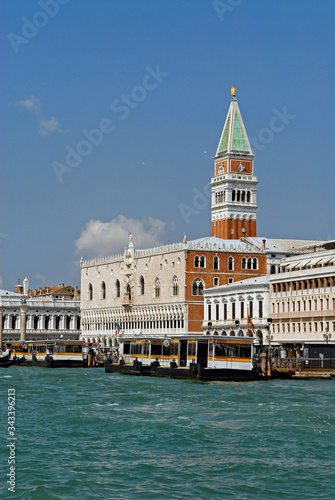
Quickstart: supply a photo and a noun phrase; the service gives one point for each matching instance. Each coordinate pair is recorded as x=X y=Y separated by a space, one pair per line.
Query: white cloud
x=32 y=104
x=46 y=125
x=100 y=238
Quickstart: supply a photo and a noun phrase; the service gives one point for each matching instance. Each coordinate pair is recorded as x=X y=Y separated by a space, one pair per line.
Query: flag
x=250 y=323
x=117 y=326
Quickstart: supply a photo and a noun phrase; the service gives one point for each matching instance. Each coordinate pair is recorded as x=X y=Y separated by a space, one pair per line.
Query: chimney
x=264 y=241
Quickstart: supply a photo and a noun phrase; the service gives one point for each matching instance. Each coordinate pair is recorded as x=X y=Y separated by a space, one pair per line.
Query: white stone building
x=238 y=309
x=37 y=319
x=159 y=291
x=302 y=300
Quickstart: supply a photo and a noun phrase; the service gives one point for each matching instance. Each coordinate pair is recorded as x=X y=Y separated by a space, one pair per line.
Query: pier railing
x=303 y=363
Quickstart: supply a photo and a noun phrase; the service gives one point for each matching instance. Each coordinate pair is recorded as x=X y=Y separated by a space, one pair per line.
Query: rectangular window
x=230 y=280
x=242 y=310
x=135 y=349
x=209 y=312
x=156 y=349
x=225 y=311
x=216 y=281
x=191 y=349
x=251 y=309
x=260 y=309
x=245 y=351
x=217 y=312
x=233 y=313
x=174 y=348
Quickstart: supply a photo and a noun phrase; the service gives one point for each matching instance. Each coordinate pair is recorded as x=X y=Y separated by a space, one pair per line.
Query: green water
x=82 y=433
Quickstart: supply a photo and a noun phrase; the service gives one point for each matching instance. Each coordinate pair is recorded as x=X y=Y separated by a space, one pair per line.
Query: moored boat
x=201 y=357
x=5 y=362
x=51 y=353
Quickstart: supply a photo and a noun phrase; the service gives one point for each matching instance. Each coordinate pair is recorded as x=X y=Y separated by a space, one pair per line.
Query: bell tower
x=234 y=186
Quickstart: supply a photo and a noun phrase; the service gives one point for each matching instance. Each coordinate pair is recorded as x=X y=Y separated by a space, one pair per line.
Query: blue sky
x=154 y=76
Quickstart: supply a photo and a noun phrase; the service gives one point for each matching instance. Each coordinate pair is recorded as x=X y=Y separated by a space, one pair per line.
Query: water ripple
x=84 y=433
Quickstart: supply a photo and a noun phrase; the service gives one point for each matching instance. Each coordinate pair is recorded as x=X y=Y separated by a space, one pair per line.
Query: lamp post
x=327 y=336
x=269 y=337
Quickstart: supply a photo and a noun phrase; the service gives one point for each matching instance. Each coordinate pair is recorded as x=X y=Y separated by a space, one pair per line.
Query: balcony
x=126 y=300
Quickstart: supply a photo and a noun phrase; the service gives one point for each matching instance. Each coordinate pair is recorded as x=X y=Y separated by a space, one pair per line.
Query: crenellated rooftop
x=205 y=244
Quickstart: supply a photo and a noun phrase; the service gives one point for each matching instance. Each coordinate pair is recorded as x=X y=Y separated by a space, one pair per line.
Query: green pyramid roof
x=234 y=137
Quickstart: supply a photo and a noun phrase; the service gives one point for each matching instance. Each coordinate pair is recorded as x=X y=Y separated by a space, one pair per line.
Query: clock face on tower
x=241 y=167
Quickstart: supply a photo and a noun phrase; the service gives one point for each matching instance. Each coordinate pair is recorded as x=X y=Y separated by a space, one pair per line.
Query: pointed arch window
x=103 y=290
x=196 y=261
x=141 y=287
x=249 y=263
x=157 y=289
x=175 y=286
x=202 y=261
x=244 y=263
x=255 y=263
x=117 y=288
x=230 y=264
x=90 y=292
x=216 y=262
x=128 y=292
x=197 y=287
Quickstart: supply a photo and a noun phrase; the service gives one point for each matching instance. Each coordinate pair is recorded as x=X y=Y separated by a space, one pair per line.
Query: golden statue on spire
x=233 y=91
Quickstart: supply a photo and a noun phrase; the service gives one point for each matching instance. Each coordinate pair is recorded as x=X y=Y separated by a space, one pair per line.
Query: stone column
x=23 y=323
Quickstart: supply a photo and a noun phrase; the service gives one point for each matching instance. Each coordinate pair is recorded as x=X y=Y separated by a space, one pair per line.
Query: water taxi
x=201 y=357
x=51 y=353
